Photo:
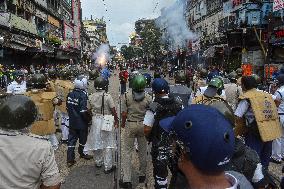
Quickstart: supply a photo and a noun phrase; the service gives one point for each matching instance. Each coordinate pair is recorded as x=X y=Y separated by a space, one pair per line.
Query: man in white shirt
x=278 y=144
x=18 y=86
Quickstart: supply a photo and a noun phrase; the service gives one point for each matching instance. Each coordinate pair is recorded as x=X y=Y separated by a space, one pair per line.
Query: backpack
x=163 y=108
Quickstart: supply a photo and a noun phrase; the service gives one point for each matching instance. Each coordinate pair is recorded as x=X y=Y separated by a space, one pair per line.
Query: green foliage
x=151 y=43
x=54 y=40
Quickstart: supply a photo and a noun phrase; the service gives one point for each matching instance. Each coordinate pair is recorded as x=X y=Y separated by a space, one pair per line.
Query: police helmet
x=52 y=73
x=160 y=86
x=138 y=83
x=233 y=75
x=180 y=76
x=81 y=82
x=17 y=112
x=203 y=73
x=216 y=82
x=100 y=83
x=93 y=74
x=148 y=78
x=19 y=73
x=36 y=81
x=239 y=71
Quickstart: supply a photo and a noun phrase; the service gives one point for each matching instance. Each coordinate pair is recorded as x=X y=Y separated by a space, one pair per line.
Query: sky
x=120 y=15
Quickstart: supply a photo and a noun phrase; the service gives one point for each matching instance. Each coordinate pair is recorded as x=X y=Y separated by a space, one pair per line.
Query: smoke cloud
x=173 y=22
x=102 y=56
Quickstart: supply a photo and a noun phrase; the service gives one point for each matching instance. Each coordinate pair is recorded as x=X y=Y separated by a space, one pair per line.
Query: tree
x=127 y=52
x=151 y=40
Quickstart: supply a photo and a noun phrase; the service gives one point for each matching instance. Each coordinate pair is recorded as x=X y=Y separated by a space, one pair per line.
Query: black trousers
x=74 y=135
x=161 y=160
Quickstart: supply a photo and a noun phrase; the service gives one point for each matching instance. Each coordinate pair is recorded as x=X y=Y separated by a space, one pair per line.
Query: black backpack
x=163 y=108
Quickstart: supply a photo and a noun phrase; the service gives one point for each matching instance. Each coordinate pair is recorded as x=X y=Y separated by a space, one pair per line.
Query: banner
x=278 y=5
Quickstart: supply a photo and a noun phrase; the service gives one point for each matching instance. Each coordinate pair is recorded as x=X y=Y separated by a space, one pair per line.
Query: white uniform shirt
x=244 y=109
x=149 y=117
x=17 y=88
x=279 y=95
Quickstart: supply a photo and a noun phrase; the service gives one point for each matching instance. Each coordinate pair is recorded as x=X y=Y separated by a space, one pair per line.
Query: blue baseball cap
x=160 y=85
x=207 y=135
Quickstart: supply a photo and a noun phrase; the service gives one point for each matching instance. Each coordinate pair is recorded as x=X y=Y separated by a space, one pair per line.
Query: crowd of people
x=209 y=129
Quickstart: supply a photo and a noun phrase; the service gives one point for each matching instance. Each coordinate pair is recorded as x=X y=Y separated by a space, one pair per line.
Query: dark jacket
x=77 y=109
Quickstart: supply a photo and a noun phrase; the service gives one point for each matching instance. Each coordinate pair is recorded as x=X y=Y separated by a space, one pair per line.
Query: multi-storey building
x=239 y=31
x=35 y=31
x=96 y=30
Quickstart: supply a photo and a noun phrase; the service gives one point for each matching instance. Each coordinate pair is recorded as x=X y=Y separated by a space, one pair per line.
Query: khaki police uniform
x=45 y=122
x=27 y=161
x=202 y=99
x=134 y=128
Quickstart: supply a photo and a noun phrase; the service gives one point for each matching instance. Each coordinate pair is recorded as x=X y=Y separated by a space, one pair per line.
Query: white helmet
x=81 y=82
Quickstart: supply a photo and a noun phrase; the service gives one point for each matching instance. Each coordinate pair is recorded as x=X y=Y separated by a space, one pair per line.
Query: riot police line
x=137 y=109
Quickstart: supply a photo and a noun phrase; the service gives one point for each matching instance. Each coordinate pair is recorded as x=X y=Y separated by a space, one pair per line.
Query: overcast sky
x=120 y=15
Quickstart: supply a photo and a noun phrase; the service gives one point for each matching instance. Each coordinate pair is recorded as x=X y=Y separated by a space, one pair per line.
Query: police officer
x=213 y=92
x=18 y=86
x=62 y=87
x=44 y=125
x=162 y=107
x=102 y=140
x=278 y=144
x=232 y=91
x=93 y=74
x=180 y=91
x=27 y=160
x=134 y=104
x=257 y=119
x=148 y=88
x=203 y=168
x=79 y=118
x=239 y=72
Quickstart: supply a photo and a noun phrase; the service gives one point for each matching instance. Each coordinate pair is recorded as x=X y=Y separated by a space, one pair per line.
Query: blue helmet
x=160 y=85
x=148 y=78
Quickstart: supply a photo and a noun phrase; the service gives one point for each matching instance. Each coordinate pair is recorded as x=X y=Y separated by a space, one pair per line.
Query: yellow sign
x=53 y=21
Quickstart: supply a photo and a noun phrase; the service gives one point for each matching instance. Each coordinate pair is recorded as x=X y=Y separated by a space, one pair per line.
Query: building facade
x=235 y=33
x=40 y=31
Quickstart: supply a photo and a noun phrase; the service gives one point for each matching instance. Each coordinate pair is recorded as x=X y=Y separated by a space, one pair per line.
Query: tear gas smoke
x=173 y=22
x=101 y=56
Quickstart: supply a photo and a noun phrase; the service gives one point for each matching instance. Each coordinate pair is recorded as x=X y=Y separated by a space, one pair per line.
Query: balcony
x=12 y=21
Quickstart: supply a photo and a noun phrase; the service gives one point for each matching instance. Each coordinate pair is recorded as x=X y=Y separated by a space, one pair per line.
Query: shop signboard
x=53 y=21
